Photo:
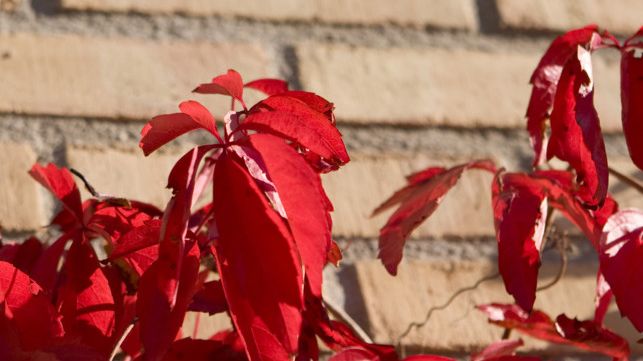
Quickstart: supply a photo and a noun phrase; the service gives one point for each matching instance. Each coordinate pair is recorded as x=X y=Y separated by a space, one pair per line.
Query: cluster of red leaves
x=563 y=123
x=255 y=250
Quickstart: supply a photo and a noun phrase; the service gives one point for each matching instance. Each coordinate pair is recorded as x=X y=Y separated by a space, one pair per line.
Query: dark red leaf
x=545 y=80
x=28 y=309
x=87 y=304
x=60 y=183
x=621 y=261
x=520 y=212
x=192 y=350
x=586 y=335
x=227 y=84
x=418 y=200
x=210 y=298
x=631 y=95
x=23 y=255
x=308 y=217
x=164 y=128
x=268 y=86
x=45 y=271
x=139 y=246
x=160 y=318
x=576 y=132
x=254 y=250
x=294 y=120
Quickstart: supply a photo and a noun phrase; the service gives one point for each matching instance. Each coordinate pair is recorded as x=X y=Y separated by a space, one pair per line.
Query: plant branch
x=122 y=338
x=88 y=186
x=562 y=249
x=430 y=311
x=627 y=179
x=347 y=319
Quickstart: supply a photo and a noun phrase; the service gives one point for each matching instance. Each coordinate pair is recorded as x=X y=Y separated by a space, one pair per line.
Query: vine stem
x=627 y=179
x=446 y=304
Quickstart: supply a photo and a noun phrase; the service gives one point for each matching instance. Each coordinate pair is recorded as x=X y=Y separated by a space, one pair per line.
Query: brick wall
x=415 y=82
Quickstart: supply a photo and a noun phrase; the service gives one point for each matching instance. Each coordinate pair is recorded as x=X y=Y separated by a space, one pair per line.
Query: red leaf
x=45 y=271
x=254 y=249
x=354 y=354
x=315 y=102
x=161 y=320
x=23 y=255
x=164 y=128
x=268 y=86
x=60 y=183
x=576 y=132
x=227 y=84
x=631 y=95
x=418 y=200
x=308 y=217
x=210 y=298
x=520 y=211
x=192 y=350
x=294 y=120
x=545 y=80
x=28 y=309
x=87 y=304
x=603 y=298
x=498 y=349
x=139 y=246
x=621 y=259
x=586 y=335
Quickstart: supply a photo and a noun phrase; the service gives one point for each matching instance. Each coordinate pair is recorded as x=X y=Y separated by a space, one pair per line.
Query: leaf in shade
x=294 y=120
x=631 y=95
x=621 y=260
x=139 y=246
x=45 y=270
x=520 y=213
x=160 y=320
x=586 y=335
x=165 y=128
x=268 y=86
x=308 y=217
x=253 y=240
x=210 y=298
x=190 y=349
x=87 y=304
x=545 y=79
x=229 y=83
x=27 y=309
x=23 y=255
x=60 y=183
x=418 y=200
x=576 y=132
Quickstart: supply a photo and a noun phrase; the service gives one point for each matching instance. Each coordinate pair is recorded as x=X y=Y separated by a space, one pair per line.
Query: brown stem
x=562 y=249
x=627 y=179
x=430 y=311
x=88 y=186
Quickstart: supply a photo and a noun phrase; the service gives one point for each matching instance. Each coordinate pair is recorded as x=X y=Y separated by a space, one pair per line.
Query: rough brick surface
x=438 y=13
x=452 y=87
x=9 y=5
x=366 y=181
x=115 y=78
x=125 y=173
x=20 y=195
x=392 y=303
x=623 y=17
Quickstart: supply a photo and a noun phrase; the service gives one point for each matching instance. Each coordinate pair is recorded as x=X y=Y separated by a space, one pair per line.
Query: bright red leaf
x=268 y=86
x=254 y=249
x=418 y=200
x=60 y=183
x=229 y=83
x=520 y=212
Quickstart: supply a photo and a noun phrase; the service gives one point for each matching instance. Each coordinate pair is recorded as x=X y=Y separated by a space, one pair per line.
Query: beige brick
x=393 y=302
x=116 y=78
x=627 y=196
x=623 y=17
x=436 y=13
x=20 y=195
x=207 y=325
x=125 y=173
x=9 y=5
x=450 y=87
x=365 y=182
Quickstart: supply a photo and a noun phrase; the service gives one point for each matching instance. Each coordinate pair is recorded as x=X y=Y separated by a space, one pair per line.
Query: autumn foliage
x=121 y=275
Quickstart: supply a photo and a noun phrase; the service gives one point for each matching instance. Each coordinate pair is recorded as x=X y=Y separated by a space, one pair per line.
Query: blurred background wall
x=415 y=83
